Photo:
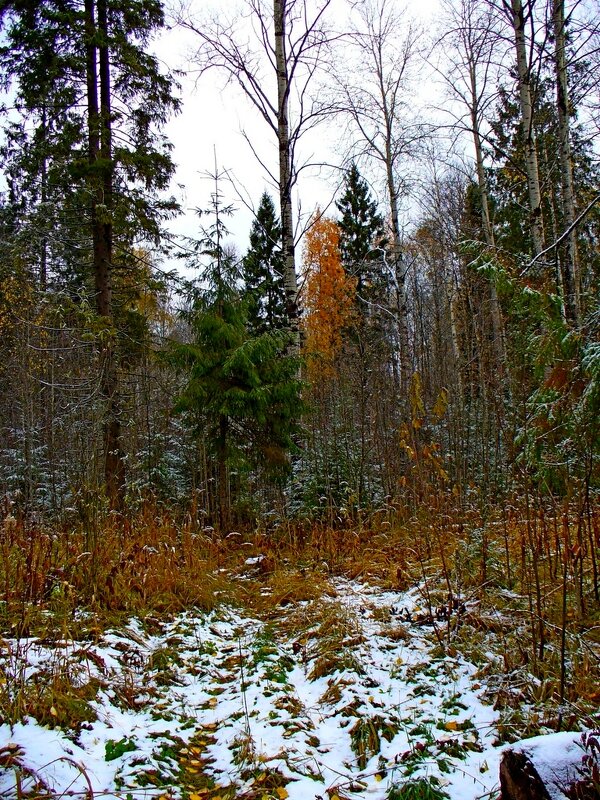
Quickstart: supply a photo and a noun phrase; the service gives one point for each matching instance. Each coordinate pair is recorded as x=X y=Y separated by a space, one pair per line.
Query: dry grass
x=509 y=567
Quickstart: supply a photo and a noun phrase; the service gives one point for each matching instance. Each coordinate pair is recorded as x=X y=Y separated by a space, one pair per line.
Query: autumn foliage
x=328 y=298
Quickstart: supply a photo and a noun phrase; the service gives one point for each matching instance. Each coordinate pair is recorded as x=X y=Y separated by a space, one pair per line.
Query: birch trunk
x=569 y=262
x=285 y=174
x=400 y=279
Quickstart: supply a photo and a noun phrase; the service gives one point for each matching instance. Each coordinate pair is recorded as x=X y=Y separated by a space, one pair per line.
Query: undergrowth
x=510 y=582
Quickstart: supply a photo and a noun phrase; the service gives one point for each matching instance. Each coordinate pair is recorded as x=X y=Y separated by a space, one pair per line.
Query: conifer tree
x=85 y=158
x=241 y=390
x=262 y=272
x=361 y=235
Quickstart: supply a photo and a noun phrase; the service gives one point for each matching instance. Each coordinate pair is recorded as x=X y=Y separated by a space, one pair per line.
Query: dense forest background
x=440 y=343
x=401 y=385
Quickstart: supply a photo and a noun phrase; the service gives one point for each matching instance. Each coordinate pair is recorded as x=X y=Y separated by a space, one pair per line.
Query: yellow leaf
x=283 y=793
x=195 y=796
x=213 y=702
x=53 y=711
x=378 y=777
x=452 y=726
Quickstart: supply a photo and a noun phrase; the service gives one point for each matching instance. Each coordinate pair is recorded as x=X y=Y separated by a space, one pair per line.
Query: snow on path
x=339 y=698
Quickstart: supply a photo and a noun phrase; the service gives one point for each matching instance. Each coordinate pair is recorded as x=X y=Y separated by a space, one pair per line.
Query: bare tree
x=373 y=94
x=469 y=71
x=522 y=20
x=272 y=49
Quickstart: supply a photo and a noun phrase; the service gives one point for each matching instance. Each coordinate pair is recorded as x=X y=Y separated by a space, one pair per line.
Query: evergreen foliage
x=262 y=272
x=45 y=152
x=361 y=237
x=241 y=392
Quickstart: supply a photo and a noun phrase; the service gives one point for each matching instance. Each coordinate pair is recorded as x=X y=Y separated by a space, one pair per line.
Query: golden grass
x=511 y=563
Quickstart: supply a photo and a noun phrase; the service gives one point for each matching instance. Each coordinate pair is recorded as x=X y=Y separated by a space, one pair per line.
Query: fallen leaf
x=452 y=726
x=283 y=793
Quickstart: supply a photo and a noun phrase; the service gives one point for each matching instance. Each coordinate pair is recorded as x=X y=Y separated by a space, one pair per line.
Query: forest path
x=343 y=696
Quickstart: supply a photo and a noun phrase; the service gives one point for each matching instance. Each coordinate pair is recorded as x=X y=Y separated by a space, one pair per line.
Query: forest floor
x=337 y=696
x=294 y=683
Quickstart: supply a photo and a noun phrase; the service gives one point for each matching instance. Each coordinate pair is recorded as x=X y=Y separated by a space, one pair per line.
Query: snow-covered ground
x=341 y=697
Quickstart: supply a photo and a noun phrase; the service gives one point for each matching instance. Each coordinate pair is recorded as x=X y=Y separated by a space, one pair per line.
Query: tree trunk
x=285 y=176
x=223 y=493
x=400 y=278
x=43 y=201
x=526 y=104
x=519 y=779
x=569 y=266
x=488 y=229
x=100 y=160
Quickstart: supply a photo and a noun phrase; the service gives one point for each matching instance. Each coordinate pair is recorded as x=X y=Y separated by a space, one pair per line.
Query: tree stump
x=519 y=779
x=548 y=767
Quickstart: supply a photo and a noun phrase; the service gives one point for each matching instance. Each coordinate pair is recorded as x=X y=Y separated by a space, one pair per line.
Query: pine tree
x=262 y=272
x=361 y=239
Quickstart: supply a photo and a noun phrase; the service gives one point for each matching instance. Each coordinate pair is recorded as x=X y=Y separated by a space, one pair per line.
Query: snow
x=238 y=697
x=555 y=757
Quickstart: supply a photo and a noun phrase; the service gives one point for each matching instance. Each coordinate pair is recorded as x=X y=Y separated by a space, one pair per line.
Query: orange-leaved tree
x=328 y=296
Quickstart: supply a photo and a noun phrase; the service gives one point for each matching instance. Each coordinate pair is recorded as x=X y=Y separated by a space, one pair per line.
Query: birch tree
x=470 y=75
x=374 y=98
x=272 y=49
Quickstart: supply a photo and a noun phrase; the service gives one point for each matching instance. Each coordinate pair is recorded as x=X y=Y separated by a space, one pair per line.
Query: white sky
x=211 y=121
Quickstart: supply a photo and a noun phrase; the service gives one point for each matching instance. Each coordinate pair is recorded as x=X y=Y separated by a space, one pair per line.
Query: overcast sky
x=210 y=126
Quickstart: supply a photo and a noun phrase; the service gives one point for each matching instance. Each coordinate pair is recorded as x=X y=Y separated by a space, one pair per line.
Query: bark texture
x=285 y=172
x=519 y=779
x=519 y=20
x=569 y=266
x=101 y=208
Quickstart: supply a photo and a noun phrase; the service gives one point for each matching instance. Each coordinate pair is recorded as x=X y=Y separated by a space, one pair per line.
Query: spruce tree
x=361 y=240
x=241 y=392
x=85 y=159
x=262 y=272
